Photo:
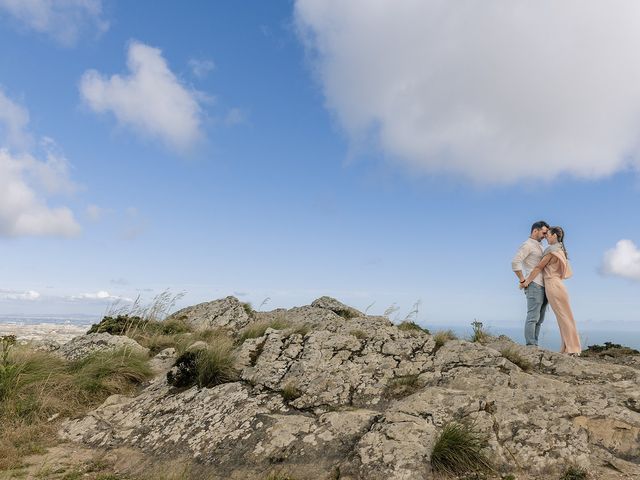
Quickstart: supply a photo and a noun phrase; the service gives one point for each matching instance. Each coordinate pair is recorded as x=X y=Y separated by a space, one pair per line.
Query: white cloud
x=26 y=182
x=101 y=295
x=13 y=122
x=150 y=99
x=622 y=261
x=201 y=68
x=494 y=91
x=64 y=20
x=29 y=295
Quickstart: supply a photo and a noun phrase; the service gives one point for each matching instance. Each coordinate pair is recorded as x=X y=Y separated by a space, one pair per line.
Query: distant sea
x=549 y=337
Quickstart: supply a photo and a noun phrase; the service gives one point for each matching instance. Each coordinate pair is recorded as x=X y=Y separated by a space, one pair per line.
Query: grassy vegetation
x=574 y=473
x=290 y=392
x=248 y=309
x=346 y=314
x=514 y=357
x=443 y=336
x=300 y=330
x=257 y=329
x=403 y=386
x=38 y=388
x=479 y=335
x=205 y=367
x=407 y=325
x=359 y=334
x=609 y=349
x=459 y=450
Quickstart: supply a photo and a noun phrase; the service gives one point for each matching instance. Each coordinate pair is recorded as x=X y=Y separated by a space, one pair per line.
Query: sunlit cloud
x=473 y=88
x=622 y=261
x=151 y=100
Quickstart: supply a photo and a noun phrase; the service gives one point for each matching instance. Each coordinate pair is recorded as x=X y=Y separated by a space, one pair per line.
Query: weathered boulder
x=85 y=345
x=337 y=307
x=227 y=312
x=322 y=403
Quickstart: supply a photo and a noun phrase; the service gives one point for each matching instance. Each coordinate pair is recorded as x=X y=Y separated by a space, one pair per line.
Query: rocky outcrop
x=227 y=312
x=85 y=345
x=322 y=404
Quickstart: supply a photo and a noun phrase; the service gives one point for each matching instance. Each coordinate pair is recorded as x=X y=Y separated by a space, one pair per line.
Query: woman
x=555 y=267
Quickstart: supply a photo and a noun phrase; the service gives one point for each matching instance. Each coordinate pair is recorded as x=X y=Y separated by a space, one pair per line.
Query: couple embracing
x=546 y=269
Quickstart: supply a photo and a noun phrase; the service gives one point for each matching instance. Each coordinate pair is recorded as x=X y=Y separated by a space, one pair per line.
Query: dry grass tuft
x=206 y=367
x=460 y=450
x=514 y=357
x=258 y=329
x=403 y=386
x=408 y=326
x=443 y=336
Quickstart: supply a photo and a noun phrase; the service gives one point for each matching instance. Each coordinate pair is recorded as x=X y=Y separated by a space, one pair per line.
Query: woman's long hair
x=560 y=233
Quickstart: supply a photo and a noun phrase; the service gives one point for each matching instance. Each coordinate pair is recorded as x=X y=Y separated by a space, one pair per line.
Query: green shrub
x=174 y=326
x=609 y=349
x=459 y=450
x=403 y=386
x=300 y=330
x=246 y=306
x=407 y=325
x=443 y=336
x=257 y=329
x=514 y=357
x=206 y=367
x=290 y=392
x=359 y=334
x=119 y=325
x=479 y=335
x=574 y=473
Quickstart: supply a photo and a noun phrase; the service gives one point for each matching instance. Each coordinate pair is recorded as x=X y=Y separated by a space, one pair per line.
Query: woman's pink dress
x=558 y=298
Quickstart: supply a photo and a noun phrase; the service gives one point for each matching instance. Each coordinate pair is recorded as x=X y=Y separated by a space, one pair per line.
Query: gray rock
x=337 y=307
x=85 y=345
x=163 y=361
x=228 y=312
x=321 y=402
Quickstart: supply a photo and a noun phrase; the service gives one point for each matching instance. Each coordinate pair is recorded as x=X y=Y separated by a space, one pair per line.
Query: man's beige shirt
x=527 y=258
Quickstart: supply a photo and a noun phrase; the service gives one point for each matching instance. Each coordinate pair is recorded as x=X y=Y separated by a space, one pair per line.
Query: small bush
x=246 y=306
x=359 y=334
x=403 y=386
x=300 y=330
x=346 y=314
x=257 y=329
x=460 y=450
x=174 y=326
x=290 y=392
x=609 y=349
x=479 y=335
x=574 y=473
x=119 y=325
x=206 y=367
x=514 y=357
x=443 y=336
x=411 y=326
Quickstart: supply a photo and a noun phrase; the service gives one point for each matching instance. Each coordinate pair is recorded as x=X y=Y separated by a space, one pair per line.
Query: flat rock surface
x=85 y=345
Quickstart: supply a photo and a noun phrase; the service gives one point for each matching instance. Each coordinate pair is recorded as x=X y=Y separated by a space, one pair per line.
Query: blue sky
x=295 y=149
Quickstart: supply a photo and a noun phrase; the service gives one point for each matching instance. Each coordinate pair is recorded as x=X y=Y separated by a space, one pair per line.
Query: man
x=526 y=259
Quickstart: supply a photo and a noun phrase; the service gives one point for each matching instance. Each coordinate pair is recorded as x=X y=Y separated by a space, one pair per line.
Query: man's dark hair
x=539 y=225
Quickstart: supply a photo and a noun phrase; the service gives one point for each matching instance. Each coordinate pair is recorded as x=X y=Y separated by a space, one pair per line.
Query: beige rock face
x=341 y=421
x=84 y=345
x=226 y=312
